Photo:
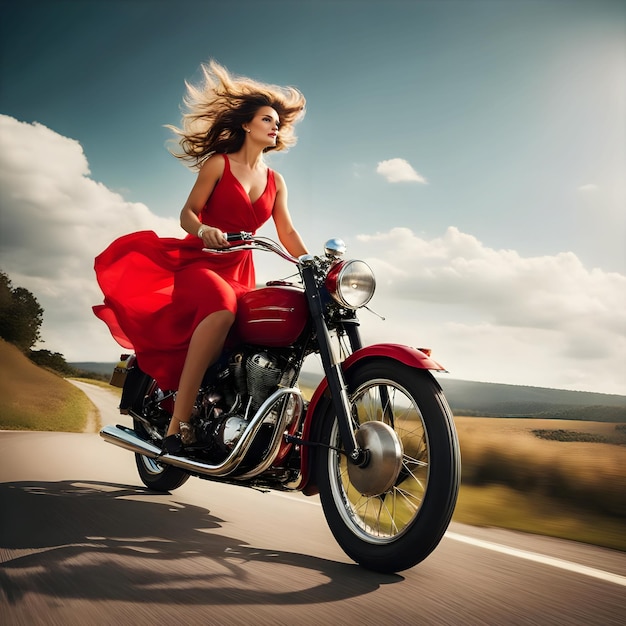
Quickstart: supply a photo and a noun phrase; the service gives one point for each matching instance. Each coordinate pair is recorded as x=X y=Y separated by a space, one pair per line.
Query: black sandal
x=172 y=444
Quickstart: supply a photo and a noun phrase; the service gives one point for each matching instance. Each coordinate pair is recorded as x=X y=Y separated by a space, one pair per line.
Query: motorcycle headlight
x=351 y=283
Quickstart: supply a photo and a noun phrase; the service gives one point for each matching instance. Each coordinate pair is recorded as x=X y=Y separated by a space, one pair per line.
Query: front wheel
x=391 y=513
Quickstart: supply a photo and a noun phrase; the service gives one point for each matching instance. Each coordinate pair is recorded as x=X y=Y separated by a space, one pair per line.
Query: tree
x=6 y=295
x=6 y=306
x=54 y=361
x=21 y=315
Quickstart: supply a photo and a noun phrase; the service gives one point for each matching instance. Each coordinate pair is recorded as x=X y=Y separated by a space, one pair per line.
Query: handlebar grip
x=240 y=236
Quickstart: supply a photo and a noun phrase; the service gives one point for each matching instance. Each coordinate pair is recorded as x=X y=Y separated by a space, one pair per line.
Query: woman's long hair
x=218 y=109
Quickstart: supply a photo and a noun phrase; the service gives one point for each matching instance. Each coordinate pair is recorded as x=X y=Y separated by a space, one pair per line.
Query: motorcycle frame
x=332 y=368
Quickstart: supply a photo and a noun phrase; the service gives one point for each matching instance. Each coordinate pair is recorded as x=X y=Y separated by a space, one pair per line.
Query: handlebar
x=247 y=241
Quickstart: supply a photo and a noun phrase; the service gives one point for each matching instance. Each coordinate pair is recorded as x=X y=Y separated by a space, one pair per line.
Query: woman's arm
x=285 y=229
x=208 y=176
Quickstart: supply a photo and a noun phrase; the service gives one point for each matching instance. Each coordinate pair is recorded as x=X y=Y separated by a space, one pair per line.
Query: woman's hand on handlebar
x=213 y=237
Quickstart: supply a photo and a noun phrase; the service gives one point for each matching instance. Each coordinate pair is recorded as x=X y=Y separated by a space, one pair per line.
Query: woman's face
x=263 y=128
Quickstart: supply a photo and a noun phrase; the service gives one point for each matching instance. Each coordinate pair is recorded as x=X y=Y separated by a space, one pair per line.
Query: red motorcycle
x=376 y=439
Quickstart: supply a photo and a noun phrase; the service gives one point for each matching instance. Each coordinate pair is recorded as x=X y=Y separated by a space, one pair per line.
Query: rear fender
x=321 y=400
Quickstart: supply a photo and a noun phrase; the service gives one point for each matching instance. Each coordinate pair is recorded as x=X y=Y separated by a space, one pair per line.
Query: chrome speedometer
x=351 y=283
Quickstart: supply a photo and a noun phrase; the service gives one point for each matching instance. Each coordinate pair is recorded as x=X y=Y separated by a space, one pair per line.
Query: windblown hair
x=217 y=110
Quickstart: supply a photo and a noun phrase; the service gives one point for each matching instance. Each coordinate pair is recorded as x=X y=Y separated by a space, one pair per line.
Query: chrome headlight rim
x=351 y=283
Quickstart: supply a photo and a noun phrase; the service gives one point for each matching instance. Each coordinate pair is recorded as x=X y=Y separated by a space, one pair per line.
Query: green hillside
x=32 y=398
x=104 y=369
x=497 y=400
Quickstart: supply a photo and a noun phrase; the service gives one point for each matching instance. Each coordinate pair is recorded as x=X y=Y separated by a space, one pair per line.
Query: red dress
x=157 y=290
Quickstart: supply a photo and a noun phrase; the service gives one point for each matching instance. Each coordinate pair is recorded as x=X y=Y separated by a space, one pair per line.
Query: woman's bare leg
x=205 y=348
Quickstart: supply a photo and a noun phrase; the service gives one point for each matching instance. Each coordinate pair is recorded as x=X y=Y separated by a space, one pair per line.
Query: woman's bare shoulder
x=279 y=180
x=213 y=166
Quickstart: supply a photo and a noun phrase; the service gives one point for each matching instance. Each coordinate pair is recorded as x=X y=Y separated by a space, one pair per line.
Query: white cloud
x=399 y=171
x=587 y=188
x=542 y=292
x=55 y=220
x=533 y=319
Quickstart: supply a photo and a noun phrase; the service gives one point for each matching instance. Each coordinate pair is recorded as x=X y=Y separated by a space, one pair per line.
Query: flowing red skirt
x=158 y=290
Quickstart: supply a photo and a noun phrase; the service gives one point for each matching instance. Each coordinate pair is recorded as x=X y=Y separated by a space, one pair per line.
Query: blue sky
x=507 y=235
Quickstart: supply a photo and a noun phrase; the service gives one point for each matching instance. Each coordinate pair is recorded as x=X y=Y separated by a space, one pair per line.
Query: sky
x=472 y=152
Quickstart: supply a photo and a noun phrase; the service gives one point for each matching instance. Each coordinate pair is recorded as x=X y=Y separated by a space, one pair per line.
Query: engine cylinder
x=263 y=376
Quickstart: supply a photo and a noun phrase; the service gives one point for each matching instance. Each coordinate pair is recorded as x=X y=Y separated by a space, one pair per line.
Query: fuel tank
x=272 y=316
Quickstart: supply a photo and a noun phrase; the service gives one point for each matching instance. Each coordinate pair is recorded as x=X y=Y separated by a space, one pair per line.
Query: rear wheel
x=153 y=474
x=390 y=514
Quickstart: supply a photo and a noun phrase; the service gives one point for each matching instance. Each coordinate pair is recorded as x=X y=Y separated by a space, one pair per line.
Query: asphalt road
x=82 y=542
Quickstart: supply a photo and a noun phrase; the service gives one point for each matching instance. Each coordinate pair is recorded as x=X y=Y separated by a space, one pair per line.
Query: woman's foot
x=172 y=444
x=174 y=441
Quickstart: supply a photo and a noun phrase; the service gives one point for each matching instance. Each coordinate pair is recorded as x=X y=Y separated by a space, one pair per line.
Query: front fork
x=332 y=368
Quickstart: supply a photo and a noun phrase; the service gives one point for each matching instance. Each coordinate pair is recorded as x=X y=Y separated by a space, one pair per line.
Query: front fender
x=413 y=357
x=320 y=400
x=405 y=354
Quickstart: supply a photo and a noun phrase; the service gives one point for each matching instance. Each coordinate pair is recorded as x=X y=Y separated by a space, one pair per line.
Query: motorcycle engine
x=263 y=376
x=223 y=411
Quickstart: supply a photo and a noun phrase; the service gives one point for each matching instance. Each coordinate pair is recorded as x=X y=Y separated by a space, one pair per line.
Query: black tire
x=155 y=476
x=396 y=529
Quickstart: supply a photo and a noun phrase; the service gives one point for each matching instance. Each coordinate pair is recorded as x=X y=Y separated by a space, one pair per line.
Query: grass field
x=32 y=398
x=515 y=479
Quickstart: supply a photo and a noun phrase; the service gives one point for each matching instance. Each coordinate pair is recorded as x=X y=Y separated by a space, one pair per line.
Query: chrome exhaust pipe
x=128 y=439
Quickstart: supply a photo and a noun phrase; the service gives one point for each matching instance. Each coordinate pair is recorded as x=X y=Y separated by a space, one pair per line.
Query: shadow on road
x=101 y=541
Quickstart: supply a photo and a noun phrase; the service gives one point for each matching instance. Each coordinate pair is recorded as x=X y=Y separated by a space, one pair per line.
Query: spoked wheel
x=391 y=513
